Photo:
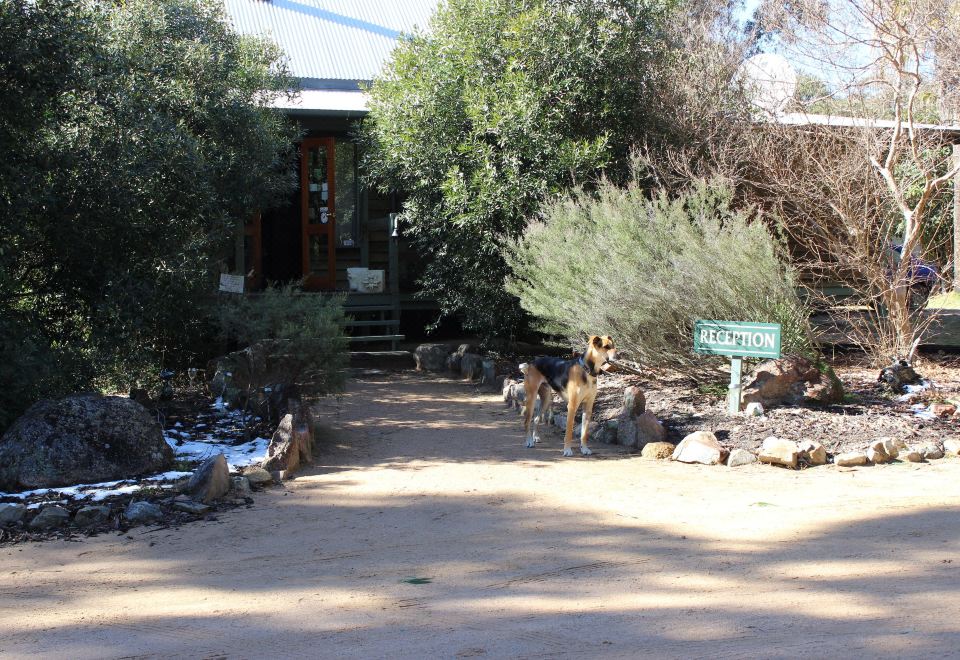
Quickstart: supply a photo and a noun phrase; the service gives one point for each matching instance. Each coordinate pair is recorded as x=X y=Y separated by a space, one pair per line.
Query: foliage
x=643 y=270
x=305 y=330
x=884 y=59
x=502 y=105
x=135 y=136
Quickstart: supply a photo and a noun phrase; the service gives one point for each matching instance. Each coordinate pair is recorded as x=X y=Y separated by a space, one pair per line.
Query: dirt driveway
x=427 y=530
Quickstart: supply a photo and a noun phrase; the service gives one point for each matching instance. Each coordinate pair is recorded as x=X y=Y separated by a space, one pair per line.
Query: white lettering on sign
x=735 y=338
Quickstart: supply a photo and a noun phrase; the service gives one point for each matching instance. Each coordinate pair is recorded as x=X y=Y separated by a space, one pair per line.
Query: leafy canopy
x=499 y=106
x=136 y=136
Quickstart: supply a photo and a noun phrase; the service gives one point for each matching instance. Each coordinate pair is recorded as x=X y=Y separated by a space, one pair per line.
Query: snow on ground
x=217 y=433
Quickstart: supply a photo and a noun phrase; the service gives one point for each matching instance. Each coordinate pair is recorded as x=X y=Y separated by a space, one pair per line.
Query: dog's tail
x=523 y=368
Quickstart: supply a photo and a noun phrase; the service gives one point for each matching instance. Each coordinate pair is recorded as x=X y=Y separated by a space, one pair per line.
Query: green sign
x=737 y=339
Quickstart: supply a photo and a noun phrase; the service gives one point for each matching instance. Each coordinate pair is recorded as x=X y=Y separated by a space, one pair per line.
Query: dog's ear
x=596 y=341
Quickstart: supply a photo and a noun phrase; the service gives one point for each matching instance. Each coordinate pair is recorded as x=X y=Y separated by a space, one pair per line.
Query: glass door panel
x=318 y=217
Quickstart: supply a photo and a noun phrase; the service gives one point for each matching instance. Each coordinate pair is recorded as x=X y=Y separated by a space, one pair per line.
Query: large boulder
x=84 y=438
x=792 y=379
x=432 y=357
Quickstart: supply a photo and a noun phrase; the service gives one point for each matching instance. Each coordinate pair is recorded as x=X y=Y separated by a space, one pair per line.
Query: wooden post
x=736 y=389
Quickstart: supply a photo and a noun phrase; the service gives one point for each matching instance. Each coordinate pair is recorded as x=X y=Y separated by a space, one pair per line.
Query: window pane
x=317 y=182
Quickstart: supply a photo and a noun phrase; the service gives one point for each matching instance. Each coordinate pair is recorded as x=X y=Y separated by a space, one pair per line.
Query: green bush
x=303 y=332
x=136 y=136
x=643 y=270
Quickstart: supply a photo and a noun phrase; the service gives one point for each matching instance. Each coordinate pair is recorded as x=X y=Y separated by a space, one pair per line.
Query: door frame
x=315 y=281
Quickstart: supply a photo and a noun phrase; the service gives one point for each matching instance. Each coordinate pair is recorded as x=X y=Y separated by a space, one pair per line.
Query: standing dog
x=575 y=380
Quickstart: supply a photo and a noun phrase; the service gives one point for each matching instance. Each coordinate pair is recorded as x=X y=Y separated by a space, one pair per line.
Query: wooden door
x=318 y=213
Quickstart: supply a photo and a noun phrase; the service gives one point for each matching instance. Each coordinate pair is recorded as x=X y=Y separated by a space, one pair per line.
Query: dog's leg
x=531 y=385
x=546 y=404
x=573 y=402
x=585 y=423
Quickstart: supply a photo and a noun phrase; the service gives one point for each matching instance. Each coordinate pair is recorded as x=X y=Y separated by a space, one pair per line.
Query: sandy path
x=528 y=555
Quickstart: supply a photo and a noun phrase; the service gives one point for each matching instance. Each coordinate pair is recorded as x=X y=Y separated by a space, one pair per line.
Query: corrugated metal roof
x=332 y=42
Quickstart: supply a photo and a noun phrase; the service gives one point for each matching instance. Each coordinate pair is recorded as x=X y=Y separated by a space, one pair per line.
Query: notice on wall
x=231 y=283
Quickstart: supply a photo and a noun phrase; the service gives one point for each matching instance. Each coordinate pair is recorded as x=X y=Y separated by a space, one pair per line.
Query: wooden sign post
x=737 y=339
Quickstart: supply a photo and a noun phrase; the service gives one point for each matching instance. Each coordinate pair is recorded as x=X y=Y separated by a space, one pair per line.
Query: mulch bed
x=869 y=412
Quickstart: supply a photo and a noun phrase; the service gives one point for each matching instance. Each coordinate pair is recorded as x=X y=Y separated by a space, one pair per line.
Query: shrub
x=643 y=270
x=304 y=332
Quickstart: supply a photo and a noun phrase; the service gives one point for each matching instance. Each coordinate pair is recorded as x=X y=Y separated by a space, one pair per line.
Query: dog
x=575 y=380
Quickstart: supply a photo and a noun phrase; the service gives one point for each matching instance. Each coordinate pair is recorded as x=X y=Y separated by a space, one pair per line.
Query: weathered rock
x=812 y=452
x=195 y=508
x=777 y=451
x=699 y=447
x=50 y=517
x=257 y=476
x=897 y=375
x=84 y=438
x=634 y=401
x=891 y=447
x=911 y=456
x=943 y=410
x=604 y=432
x=471 y=366
x=12 y=513
x=240 y=486
x=290 y=446
x=877 y=452
x=639 y=431
x=507 y=391
x=142 y=512
x=740 y=457
x=658 y=450
x=453 y=363
x=432 y=357
x=951 y=447
x=791 y=379
x=850 y=459
x=754 y=409
x=488 y=376
x=210 y=481
x=91 y=515
x=931 y=452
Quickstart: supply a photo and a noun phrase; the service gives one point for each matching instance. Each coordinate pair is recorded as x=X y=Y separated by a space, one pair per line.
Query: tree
x=137 y=137
x=892 y=60
x=502 y=105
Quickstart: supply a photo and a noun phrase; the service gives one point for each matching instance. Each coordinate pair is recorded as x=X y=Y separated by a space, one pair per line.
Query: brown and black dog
x=575 y=380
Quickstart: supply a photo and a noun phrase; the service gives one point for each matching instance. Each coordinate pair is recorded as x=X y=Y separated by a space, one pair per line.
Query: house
x=332 y=223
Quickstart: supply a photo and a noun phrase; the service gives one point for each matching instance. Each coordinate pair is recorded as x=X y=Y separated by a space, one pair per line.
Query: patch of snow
x=910 y=390
x=101 y=490
x=922 y=411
